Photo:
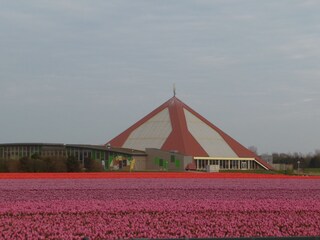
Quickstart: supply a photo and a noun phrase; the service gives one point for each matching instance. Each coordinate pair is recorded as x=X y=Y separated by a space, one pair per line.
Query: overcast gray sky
x=84 y=71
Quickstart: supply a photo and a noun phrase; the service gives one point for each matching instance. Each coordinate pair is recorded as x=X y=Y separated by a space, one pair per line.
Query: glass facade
x=228 y=164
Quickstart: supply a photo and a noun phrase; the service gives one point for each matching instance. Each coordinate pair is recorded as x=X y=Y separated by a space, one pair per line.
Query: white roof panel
x=210 y=140
x=151 y=134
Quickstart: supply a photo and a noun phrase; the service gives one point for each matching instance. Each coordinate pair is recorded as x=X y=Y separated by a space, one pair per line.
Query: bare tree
x=253 y=149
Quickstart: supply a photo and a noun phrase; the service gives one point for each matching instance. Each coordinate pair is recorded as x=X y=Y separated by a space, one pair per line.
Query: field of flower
x=103 y=175
x=72 y=207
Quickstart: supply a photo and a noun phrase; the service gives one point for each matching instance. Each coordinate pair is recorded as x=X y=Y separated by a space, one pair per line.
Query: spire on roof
x=174 y=89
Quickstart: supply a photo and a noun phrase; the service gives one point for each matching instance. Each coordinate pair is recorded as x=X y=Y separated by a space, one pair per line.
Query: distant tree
x=315 y=162
x=13 y=165
x=37 y=163
x=73 y=165
x=35 y=156
x=295 y=159
x=4 y=165
x=25 y=164
x=59 y=164
x=92 y=165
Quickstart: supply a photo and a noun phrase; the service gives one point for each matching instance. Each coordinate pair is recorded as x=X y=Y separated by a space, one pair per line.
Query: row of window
x=17 y=152
x=227 y=164
x=21 y=149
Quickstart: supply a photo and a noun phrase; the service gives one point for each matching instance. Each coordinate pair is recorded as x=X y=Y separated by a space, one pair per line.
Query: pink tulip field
x=158 y=208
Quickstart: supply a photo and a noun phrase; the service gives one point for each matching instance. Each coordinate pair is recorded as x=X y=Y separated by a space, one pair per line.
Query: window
x=124 y=163
x=161 y=162
x=244 y=165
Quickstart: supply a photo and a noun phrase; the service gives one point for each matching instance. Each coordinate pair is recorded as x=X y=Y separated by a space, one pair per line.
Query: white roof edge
x=262 y=165
x=223 y=158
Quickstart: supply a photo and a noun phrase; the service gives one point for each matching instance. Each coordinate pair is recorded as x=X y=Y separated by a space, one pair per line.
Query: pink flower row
x=158 y=208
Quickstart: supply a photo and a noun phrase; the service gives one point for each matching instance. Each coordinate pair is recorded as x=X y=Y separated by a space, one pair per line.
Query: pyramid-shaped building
x=175 y=127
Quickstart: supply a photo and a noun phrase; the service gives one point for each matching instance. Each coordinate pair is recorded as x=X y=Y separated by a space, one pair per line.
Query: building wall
x=140 y=163
x=282 y=166
x=166 y=161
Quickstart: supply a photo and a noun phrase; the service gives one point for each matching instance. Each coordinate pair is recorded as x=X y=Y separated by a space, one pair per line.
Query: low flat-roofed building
x=110 y=158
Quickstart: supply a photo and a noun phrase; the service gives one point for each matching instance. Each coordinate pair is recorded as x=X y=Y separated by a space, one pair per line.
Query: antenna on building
x=174 y=89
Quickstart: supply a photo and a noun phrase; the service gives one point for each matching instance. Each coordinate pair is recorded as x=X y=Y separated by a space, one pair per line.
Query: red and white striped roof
x=174 y=126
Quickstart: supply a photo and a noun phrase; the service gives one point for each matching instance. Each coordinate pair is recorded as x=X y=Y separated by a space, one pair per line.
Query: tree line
x=37 y=163
x=304 y=161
